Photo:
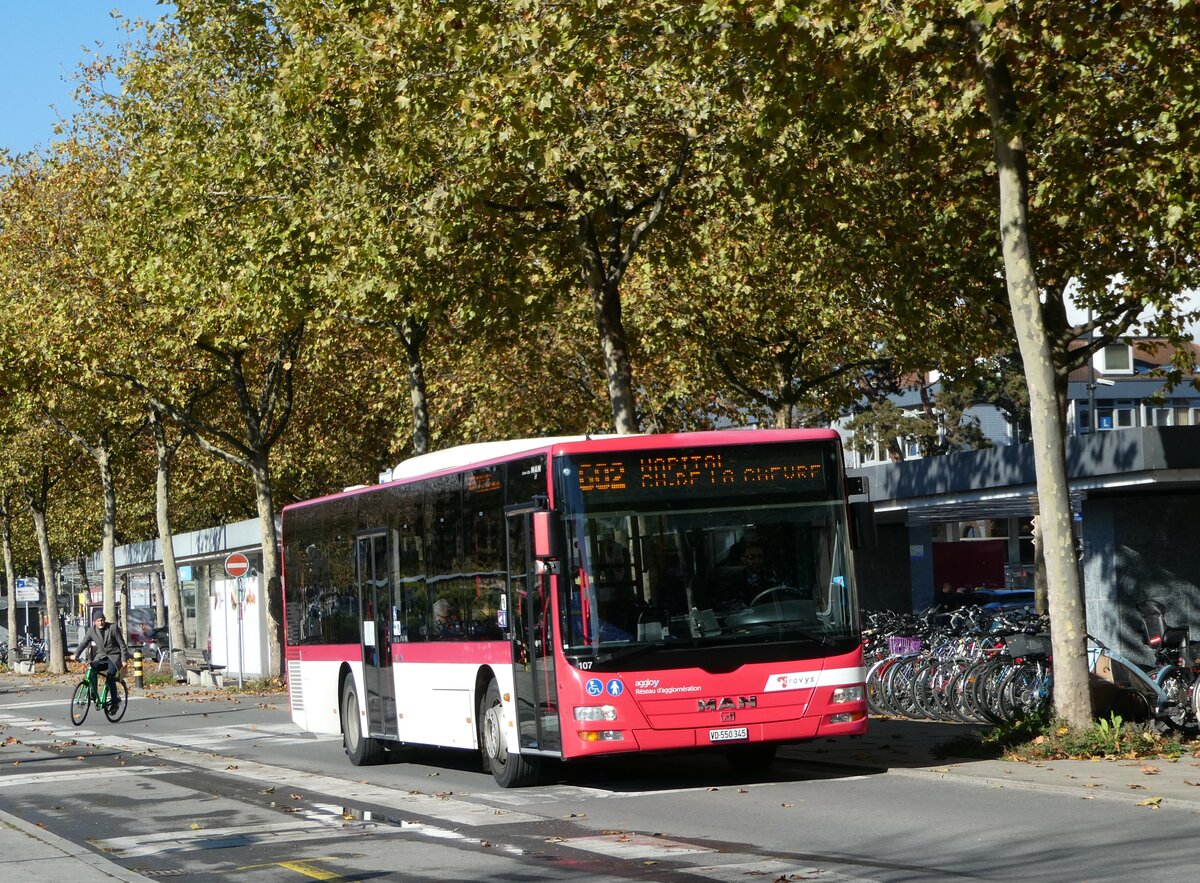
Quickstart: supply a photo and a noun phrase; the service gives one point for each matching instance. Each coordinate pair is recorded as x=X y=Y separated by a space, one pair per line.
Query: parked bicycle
x=1168 y=687
x=973 y=664
x=112 y=696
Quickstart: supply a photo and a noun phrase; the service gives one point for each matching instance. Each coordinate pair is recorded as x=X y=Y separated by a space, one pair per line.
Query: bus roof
x=474 y=454
x=463 y=456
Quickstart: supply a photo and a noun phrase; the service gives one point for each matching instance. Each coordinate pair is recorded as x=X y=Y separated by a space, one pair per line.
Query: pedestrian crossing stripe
x=635 y=846
x=47 y=777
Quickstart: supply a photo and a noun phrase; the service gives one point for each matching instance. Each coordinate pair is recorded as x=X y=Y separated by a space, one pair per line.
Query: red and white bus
x=573 y=597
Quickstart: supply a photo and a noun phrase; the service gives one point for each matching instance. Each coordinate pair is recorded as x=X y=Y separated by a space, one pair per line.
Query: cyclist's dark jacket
x=108 y=642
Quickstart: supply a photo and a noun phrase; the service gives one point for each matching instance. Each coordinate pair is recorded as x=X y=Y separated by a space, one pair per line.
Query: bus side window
x=415 y=597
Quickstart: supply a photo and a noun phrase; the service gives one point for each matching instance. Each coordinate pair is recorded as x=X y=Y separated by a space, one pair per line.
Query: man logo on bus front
x=727 y=703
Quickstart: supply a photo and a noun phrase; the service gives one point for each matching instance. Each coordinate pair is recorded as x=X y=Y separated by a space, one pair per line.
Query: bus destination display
x=736 y=471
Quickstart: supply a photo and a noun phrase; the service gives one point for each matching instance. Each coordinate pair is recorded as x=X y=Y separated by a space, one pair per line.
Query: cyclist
x=111 y=649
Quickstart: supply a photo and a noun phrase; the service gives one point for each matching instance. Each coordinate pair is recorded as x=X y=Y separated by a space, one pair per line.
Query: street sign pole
x=241 y=596
x=237 y=565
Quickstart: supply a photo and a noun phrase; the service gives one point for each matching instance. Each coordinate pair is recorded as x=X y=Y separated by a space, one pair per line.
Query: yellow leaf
x=1150 y=801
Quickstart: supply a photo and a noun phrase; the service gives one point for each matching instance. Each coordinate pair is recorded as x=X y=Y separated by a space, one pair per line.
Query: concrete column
x=1101 y=596
x=920 y=565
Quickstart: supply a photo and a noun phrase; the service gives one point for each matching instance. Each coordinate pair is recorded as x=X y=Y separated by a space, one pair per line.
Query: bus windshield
x=703 y=573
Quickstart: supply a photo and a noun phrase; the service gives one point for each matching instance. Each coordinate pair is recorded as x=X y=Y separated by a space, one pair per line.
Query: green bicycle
x=113 y=696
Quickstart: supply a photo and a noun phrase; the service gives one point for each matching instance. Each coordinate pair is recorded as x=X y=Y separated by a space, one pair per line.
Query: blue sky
x=42 y=43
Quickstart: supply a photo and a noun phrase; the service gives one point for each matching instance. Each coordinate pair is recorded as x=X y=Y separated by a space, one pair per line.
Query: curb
x=1044 y=787
x=12 y=828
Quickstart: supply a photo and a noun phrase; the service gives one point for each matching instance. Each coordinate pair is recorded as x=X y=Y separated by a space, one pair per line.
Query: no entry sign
x=237 y=564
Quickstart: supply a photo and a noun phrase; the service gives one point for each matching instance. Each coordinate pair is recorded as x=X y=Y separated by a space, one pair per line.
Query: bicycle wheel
x=118 y=698
x=1025 y=691
x=898 y=687
x=1177 y=711
x=81 y=701
x=987 y=689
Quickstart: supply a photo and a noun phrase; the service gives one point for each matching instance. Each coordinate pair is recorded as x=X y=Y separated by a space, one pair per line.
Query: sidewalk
x=910 y=748
x=28 y=852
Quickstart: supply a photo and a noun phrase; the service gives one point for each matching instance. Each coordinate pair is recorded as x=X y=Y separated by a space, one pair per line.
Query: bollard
x=137 y=668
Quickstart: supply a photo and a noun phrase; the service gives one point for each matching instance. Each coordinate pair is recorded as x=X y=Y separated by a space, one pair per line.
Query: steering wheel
x=782 y=590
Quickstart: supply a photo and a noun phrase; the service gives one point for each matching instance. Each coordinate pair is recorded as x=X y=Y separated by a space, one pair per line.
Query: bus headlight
x=847 y=694
x=595 y=713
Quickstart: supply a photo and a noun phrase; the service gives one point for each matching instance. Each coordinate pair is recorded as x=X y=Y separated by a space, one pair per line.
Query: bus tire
x=509 y=770
x=751 y=758
x=361 y=749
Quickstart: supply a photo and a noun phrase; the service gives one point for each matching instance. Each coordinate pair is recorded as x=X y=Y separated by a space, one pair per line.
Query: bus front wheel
x=509 y=770
x=361 y=749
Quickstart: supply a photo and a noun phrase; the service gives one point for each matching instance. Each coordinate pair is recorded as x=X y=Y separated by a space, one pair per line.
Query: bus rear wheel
x=509 y=770
x=361 y=749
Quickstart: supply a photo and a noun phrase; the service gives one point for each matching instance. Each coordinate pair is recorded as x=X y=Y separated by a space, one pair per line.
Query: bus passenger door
x=533 y=633
x=375 y=619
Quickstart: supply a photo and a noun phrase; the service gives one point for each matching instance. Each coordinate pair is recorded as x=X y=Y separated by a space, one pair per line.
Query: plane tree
x=217 y=239
x=1083 y=121
x=571 y=135
x=56 y=307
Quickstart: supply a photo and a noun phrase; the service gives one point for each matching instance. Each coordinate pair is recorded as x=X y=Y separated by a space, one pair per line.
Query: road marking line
x=143 y=845
x=308 y=870
x=444 y=809
x=56 y=703
x=772 y=869
x=426 y=805
x=635 y=846
x=46 y=777
x=25 y=723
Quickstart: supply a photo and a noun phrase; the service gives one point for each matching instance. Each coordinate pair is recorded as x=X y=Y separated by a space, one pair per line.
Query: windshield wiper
x=626 y=652
x=819 y=637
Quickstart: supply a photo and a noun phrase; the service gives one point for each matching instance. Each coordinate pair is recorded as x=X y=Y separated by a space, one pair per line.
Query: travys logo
x=797 y=680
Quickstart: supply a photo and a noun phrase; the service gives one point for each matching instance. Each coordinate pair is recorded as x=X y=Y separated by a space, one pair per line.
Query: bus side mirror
x=862 y=525
x=545 y=529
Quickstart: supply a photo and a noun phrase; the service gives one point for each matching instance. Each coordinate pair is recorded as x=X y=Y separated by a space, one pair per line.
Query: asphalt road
x=200 y=786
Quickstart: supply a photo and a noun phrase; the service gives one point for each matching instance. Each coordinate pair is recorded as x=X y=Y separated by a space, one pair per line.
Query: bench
x=25 y=658
x=200 y=669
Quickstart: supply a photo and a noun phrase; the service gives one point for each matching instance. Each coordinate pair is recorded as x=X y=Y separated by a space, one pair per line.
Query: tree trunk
x=606 y=300
x=124 y=603
x=270 y=585
x=56 y=664
x=413 y=335
x=87 y=586
x=162 y=514
x=160 y=602
x=1041 y=590
x=108 y=545
x=1071 y=696
x=10 y=576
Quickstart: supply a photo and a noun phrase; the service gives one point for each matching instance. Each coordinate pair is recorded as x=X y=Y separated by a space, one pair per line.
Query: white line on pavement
x=47 y=777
